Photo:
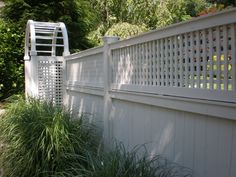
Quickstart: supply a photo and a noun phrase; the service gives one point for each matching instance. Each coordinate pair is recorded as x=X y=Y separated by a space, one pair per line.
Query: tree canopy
x=76 y=14
x=150 y=14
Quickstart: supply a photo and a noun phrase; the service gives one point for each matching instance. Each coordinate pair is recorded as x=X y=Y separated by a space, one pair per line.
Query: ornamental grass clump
x=39 y=139
x=122 y=163
x=42 y=140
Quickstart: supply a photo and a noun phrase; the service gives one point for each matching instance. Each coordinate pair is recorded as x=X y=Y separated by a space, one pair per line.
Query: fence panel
x=85 y=68
x=194 y=64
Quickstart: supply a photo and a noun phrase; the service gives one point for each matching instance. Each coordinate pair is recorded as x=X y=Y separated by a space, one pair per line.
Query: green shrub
x=41 y=140
x=125 y=30
x=11 y=59
x=122 y=29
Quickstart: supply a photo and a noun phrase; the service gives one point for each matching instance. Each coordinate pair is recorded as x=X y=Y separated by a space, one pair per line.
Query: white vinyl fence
x=173 y=88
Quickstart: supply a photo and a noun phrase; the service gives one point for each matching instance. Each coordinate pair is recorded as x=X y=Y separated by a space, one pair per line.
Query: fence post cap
x=26 y=58
x=110 y=39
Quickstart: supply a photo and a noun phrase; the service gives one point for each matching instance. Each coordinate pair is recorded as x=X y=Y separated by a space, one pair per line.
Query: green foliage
x=150 y=14
x=42 y=140
x=122 y=29
x=131 y=11
x=11 y=59
x=122 y=163
x=194 y=7
x=96 y=36
x=224 y=2
x=171 y=12
x=77 y=15
x=125 y=30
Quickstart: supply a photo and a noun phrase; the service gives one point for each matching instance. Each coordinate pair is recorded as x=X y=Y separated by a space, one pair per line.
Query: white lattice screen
x=199 y=59
x=50 y=80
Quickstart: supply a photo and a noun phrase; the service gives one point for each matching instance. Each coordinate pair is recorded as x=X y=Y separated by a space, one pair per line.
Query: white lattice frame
x=178 y=61
x=40 y=69
x=30 y=38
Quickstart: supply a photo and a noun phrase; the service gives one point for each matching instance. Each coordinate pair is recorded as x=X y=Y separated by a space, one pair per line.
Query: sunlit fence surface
x=188 y=59
x=198 y=59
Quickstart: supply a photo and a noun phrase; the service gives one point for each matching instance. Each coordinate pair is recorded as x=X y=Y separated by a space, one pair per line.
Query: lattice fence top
x=50 y=79
x=199 y=59
x=46 y=39
x=194 y=61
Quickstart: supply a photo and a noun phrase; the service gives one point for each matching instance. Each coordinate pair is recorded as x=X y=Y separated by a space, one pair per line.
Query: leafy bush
x=11 y=59
x=77 y=15
x=122 y=29
x=125 y=30
x=122 y=163
x=42 y=140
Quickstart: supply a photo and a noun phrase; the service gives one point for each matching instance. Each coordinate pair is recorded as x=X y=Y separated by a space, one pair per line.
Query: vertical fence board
x=186 y=61
x=158 y=62
x=154 y=64
x=191 y=60
x=162 y=63
x=233 y=46
x=218 y=59
x=200 y=146
x=176 y=62
x=225 y=58
x=181 y=60
x=171 y=61
x=198 y=59
x=210 y=58
x=204 y=57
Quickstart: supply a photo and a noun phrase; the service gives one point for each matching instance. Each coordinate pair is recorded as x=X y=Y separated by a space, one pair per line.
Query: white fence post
x=31 y=82
x=107 y=81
